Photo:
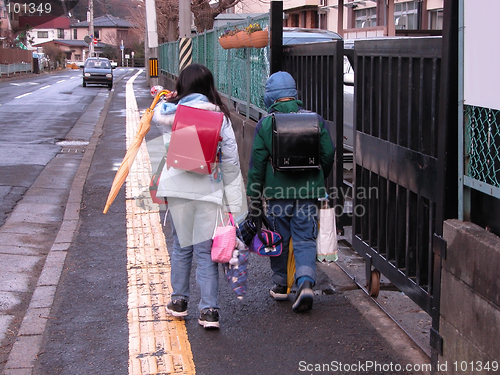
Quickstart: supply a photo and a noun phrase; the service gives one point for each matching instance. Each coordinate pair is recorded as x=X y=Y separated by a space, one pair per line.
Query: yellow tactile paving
x=158 y=343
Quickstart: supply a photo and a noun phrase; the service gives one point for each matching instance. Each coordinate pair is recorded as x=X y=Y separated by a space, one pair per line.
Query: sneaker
x=209 y=318
x=305 y=297
x=279 y=293
x=177 y=307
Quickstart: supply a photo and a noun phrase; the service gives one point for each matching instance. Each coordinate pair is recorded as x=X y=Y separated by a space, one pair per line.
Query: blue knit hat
x=279 y=85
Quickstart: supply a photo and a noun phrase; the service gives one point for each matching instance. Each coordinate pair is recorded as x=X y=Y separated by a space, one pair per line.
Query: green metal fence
x=482 y=149
x=240 y=74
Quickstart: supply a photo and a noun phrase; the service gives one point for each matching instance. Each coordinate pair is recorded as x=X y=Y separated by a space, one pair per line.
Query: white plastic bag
x=327 y=247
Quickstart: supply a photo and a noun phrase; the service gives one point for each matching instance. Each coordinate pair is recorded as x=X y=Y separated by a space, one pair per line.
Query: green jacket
x=264 y=181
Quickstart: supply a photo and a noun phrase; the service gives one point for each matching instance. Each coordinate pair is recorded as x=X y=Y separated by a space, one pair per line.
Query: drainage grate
x=72 y=146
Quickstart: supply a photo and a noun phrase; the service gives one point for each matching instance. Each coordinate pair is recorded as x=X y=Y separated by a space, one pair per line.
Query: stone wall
x=470 y=299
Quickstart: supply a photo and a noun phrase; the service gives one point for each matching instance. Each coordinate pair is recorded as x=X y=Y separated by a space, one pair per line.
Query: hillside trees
x=204 y=12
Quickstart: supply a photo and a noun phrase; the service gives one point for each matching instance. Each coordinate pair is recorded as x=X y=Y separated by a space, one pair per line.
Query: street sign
x=153 y=67
x=95 y=42
x=122 y=47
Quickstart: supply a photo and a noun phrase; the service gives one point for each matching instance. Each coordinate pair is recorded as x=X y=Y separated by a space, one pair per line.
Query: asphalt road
x=36 y=113
x=39 y=115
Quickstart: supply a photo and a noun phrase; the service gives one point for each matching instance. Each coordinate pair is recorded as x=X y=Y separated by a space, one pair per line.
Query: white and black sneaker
x=305 y=298
x=177 y=308
x=209 y=318
x=279 y=293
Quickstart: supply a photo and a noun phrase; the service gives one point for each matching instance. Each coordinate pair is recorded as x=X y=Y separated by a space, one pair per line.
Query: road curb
x=28 y=343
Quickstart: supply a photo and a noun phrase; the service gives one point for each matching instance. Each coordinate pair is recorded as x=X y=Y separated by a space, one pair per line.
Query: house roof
x=69 y=43
x=44 y=22
x=105 y=21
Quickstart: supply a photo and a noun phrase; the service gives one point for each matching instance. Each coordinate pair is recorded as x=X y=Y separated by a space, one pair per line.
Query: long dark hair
x=197 y=78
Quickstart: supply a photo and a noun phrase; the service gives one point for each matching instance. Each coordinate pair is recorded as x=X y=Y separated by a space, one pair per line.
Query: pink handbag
x=224 y=241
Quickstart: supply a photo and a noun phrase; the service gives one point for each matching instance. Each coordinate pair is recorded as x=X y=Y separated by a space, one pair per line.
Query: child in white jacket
x=195 y=200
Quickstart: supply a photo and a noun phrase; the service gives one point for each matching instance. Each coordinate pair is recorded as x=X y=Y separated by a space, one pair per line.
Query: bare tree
x=205 y=13
x=167 y=19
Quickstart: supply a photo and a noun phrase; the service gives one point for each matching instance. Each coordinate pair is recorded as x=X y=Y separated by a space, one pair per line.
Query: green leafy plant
x=230 y=32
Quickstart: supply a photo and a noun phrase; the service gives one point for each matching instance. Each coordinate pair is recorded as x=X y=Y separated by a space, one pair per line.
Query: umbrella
x=127 y=161
x=290 y=268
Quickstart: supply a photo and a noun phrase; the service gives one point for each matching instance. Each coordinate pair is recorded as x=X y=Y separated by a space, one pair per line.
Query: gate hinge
x=439 y=245
x=436 y=341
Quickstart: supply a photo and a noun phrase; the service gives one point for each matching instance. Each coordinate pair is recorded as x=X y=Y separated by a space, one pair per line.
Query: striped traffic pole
x=185 y=52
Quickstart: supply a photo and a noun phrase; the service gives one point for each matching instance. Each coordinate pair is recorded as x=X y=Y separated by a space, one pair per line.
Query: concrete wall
x=243 y=130
x=470 y=298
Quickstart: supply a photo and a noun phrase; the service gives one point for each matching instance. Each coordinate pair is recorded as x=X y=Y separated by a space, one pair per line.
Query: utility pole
x=91 y=27
x=276 y=26
x=185 y=42
x=151 y=41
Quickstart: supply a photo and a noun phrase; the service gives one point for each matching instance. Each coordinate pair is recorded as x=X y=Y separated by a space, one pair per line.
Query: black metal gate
x=318 y=71
x=396 y=194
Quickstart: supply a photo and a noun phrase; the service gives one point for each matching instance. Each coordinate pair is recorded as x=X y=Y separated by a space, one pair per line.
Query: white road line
x=44 y=87
x=20 y=96
x=62 y=80
x=73 y=77
x=24 y=83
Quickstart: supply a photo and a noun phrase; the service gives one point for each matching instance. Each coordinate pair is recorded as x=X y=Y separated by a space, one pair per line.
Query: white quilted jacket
x=190 y=185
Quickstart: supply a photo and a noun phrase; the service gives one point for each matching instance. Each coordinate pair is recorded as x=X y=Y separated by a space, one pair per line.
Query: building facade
x=358 y=18
x=5 y=26
x=57 y=28
x=107 y=29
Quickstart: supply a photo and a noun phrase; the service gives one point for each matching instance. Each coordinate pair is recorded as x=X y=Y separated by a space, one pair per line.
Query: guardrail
x=8 y=69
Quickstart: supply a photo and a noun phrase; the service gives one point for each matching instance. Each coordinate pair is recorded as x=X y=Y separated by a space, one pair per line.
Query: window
x=60 y=33
x=121 y=34
x=42 y=34
x=75 y=34
x=436 y=19
x=96 y=34
x=366 y=17
x=406 y=15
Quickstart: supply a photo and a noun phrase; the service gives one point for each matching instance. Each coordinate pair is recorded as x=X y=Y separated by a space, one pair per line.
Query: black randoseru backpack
x=296 y=141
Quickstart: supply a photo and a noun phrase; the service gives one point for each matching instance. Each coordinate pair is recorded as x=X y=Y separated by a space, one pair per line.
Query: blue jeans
x=193 y=227
x=295 y=219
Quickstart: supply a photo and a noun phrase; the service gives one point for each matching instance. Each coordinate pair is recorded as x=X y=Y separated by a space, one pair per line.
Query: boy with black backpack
x=292 y=154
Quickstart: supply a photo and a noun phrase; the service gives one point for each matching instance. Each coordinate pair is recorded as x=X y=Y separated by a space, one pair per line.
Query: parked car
x=97 y=70
x=348 y=95
x=297 y=35
x=113 y=63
